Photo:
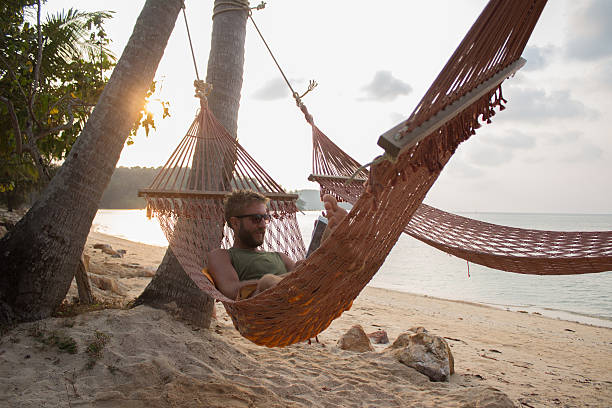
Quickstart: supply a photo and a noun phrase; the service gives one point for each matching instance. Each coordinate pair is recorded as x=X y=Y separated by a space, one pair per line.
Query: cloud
x=272 y=90
x=385 y=87
x=559 y=137
x=585 y=153
x=489 y=156
x=563 y=138
x=463 y=169
x=513 y=139
x=591 y=31
x=536 y=105
x=537 y=57
x=397 y=117
x=498 y=148
x=603 y=75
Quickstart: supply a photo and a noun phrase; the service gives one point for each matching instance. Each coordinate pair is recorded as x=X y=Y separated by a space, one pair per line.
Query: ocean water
x=415 y=267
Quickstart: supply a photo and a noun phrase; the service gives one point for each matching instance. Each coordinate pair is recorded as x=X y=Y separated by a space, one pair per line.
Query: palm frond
x=69 y=35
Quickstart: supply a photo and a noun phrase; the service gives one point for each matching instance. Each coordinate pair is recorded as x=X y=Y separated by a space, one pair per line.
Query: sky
x=549 y=152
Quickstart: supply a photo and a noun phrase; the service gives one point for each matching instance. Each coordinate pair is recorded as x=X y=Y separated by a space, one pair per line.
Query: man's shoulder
x=219 y=253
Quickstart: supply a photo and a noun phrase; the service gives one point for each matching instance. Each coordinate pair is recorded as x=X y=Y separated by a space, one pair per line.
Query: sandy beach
x=142 y=357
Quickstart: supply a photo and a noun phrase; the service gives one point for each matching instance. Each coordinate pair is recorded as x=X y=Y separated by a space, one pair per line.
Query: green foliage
x=46 y=98
x=58 y=339
x=19 y=181
x=49 y=85
x=95 y=349
x=69 y=309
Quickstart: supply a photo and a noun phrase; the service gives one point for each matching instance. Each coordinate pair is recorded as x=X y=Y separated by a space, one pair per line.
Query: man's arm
x=334 y=214
x=289 y=264
x=225 y=276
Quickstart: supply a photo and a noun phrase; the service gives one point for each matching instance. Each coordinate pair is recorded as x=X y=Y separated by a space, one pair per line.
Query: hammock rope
x=187 y=197
x=195 y=65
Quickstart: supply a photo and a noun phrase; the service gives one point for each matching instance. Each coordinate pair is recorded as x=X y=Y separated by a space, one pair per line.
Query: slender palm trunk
x=39 y=257
x=171 y=285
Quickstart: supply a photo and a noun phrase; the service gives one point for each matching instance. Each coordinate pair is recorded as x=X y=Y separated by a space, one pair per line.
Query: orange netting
x=526 y=251
x=305 y=303
x=187 y=198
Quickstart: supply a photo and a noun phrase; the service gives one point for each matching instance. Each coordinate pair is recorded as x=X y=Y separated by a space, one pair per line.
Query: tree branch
x=34 y=88
x=38 y=60
x=15 y=122
x=56 y=103
x=13 y=77
x=58 y=128
x=25 y=97
x=73 y=101
x=33 y=151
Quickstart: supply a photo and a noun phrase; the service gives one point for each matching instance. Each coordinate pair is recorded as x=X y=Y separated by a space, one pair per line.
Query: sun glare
x=154 y=107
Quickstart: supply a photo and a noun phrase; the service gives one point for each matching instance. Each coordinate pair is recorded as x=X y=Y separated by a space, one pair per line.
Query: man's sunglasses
x=256 y=218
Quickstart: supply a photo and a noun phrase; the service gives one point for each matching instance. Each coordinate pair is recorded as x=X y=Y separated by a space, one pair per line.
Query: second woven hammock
x=526 y=251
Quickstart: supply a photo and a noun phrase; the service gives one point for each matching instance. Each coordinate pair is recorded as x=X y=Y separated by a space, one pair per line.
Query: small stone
x=355 y=339
x=418 y=329
x=148 y=272
x=107 y=249
x=379 y=337
x=106 y=283
x=132 y=265
x=426 y=353
x=402 y=341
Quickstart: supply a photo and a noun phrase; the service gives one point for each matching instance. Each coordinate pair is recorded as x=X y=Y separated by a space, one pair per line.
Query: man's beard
x=249 y=239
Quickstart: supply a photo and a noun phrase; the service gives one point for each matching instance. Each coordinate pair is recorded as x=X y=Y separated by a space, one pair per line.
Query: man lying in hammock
x=244 y=266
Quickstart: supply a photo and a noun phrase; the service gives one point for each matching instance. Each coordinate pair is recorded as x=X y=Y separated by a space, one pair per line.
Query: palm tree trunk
x=40 y=255
x=171 y=285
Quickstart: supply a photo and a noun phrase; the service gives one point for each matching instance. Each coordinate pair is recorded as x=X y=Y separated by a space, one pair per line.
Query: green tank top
x=253 y=265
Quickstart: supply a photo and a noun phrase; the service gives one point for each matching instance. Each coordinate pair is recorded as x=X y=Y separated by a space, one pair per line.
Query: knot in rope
x=232 y=5
x=203 y=89
x=298 y=98
x=307 y=114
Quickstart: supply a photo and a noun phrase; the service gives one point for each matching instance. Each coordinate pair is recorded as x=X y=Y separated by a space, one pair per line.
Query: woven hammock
x=527 y=251
x=187 y=198
x=324 y=286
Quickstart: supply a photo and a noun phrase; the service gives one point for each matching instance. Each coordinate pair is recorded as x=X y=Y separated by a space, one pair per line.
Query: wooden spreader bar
x=394 y=141
x=315 y=177
x=207 y=194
